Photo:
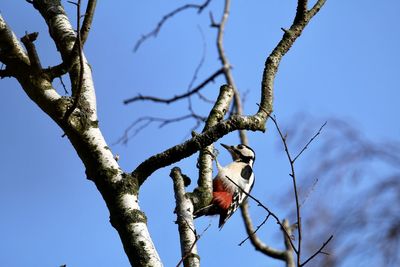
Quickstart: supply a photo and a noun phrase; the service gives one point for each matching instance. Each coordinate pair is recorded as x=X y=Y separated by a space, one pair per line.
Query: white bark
x=184 y=213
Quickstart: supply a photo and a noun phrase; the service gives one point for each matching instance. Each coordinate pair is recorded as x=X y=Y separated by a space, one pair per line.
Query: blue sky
x=346 y=65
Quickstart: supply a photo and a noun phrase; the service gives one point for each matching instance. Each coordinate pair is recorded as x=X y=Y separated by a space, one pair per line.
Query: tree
x=105 y=171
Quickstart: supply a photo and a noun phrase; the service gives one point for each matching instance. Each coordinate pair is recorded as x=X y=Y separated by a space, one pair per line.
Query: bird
x=227 y=197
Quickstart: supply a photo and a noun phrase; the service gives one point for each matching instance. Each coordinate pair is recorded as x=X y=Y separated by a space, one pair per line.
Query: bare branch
x=184 y=213
x=205 y=159
x=289 y=249
x=69 y=56
x=226 y=66
x=165 y=18
x=5 y=73
x=78 y=91
x=310 y=141
x=252 y=232
x=87 y=21
x=149 y=120
x=296 y=195
x=12 y=53
x=28 y=40
x=274 y=59
x=195 y=242
x=267 y=209
x=314 y=10
x=177 y=97
x=318 y=251
x=63 y=85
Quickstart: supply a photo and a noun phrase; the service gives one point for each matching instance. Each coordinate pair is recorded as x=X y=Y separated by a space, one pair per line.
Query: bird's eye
x=240 y=146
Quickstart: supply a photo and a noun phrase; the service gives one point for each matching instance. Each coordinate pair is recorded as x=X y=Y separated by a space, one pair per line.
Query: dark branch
x=5 y=73
x=87 y=21
x=318 y=251
x=149 y=120
x=266 y=209
x=226 y=66
x=164 y=19
x=178 y=97
x=296 y=195
x=310 y=141
x=255 y=231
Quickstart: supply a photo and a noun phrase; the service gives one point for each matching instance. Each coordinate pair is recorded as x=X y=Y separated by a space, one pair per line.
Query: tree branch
x=184 y=213
x=87 y=21
x=28 y=40
x=177 y=97
x=309 y=142
x=255 y=240
x=296 y=195
x=11 y=52
x=274 y=59
x=165 y=18
x=149 y=120
x=317 y=252
x=266 y=209
x=226 y=66
x=203 y=193
x=191 y=146
x=78 y=42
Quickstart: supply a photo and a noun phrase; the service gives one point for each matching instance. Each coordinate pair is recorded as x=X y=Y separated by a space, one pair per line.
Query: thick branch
x=78 y=42
x=274 y=59
x=11 y=52
x=205 y=157
x=28 y=40
x=287 y=234
x=188 y=148
x=117 y=188
x=184 y=213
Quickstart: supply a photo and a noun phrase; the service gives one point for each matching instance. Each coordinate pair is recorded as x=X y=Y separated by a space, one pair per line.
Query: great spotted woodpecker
x=227 y=197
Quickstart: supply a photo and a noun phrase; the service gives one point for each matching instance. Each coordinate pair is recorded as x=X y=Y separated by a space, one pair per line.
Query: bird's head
x=241 y=153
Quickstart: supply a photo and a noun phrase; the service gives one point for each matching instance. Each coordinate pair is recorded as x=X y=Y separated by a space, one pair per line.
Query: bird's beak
x=229 y=148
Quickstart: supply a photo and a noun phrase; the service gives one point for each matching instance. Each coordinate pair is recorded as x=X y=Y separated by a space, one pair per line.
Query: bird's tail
x=206 y=211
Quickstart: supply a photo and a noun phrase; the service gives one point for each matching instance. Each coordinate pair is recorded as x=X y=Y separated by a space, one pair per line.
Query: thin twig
x=318 y=251
x=296 y=195
x=147 y=121
x=257 y=228
x=177 y=97
x=194 y=243
x=267 y=209
x=226 y=65
x=165 y=18
x=63 y=85
x=310 y=141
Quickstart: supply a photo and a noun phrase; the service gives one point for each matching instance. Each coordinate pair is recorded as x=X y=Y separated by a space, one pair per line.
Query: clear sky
x=345 y=65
